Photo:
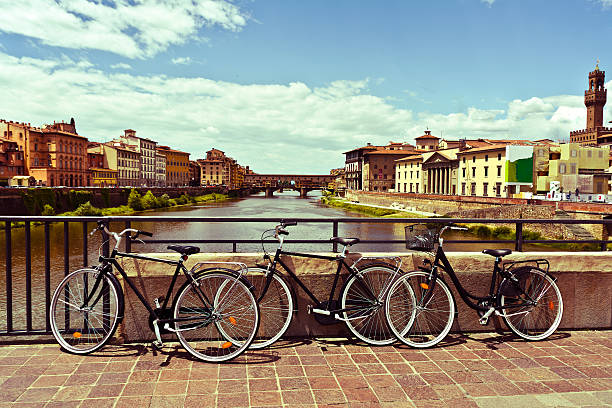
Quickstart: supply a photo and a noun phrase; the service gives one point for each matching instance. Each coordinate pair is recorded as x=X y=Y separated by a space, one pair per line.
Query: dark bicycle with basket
x=420 y=307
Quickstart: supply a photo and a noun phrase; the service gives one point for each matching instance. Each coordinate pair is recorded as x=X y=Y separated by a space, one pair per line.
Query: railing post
x=47 y=276
x=335 y=234
x=28 y=275
x=234 y=249
x=85 y=254
x=9 y=278
x=128 y=240
x=519 y=237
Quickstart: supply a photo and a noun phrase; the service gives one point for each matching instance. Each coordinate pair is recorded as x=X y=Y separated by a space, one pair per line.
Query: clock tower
x=595 y=98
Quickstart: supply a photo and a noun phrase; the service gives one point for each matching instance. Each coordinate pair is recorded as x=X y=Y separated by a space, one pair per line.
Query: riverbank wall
x=585 y=288
x=30 y=201
x=501 y=208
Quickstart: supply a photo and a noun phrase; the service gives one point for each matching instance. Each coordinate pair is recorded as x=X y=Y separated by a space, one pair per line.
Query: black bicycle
x=359 y=303
x=88 y=305
x=420 y=307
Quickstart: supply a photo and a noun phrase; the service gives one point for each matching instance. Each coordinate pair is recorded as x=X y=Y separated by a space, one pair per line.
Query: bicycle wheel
x=419 y=316
x=362 y=293
x=533 y=321
x=276 y=307
x=83 y=328
x=199 y=316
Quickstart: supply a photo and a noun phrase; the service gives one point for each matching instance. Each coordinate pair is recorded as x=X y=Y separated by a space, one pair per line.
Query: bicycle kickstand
x=158 y=343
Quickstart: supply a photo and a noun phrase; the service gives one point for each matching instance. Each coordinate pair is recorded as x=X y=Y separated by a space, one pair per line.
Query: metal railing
x=87 y=223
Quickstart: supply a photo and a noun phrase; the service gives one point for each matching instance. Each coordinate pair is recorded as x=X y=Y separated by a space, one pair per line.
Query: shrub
x=163 y=201
x=48 y=210
x=149 y=201
x=135 y=200
x=86 y=209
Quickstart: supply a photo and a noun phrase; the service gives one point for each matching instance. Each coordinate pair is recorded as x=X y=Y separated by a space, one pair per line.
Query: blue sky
x=287 y=86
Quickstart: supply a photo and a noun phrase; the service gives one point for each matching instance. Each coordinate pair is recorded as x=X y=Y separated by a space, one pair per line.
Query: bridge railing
x=25 y=286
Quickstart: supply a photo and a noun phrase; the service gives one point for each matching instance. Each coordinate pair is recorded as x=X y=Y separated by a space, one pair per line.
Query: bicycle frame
x=112 y=261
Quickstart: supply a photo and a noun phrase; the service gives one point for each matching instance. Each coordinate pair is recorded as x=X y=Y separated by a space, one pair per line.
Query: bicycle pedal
x=484 y=321
x=158 y=345
x=158 y=301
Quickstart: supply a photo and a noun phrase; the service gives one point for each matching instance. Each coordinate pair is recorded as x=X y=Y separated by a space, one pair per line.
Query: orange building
x=55 y=155
x=11 y=161
x=177 y=167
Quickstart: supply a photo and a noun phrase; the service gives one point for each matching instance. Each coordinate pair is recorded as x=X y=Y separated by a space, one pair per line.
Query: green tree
x=135 y=200
x=148 y=201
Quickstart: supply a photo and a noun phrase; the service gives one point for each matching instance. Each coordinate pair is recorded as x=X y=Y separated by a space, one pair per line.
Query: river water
x=283 y=205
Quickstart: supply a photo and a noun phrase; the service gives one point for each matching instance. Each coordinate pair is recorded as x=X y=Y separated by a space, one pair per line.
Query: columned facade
x=441 y=175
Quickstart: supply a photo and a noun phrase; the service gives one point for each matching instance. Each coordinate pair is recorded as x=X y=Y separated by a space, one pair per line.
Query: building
x=573 y=166
x=98 y=175
x=147 y=149
x=177 y=167
x=195 y=174
x=160 y=168
x=379 y=169
x=595 y=133
x=440 y=172
x=213 y=173
x=125 y=159
x=353 y=166
x=11 y=161
x=55 y=155
x=427 y=141
x=408 y=174
x=501 y=170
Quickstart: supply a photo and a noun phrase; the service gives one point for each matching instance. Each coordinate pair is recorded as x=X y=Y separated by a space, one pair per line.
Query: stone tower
x=595 y=98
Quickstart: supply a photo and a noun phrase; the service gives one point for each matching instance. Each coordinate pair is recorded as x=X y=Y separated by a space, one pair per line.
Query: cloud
x=490 y=2
x=605 y=3
x=181 y=61
x=121 y=65
x=289 y=128
x=134 y=29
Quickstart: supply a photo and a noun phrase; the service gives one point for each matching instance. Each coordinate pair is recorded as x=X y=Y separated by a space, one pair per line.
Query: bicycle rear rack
x=396 y=259
x=539 y=263
x=242 y=266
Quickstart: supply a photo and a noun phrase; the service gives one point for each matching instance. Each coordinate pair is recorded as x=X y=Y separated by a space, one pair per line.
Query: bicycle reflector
x=77 y=335
x=226 y=345
x=232 y=320
x=185 y=257
x=424 y=285
x=551 y=305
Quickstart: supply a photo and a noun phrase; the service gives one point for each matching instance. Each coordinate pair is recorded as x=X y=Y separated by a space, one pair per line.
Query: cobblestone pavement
x=478 y=370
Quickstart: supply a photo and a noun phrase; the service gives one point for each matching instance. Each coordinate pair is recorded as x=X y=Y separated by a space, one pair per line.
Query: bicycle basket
x=420 y=238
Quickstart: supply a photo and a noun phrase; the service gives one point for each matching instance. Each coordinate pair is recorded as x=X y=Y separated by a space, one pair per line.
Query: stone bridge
x=299 y=182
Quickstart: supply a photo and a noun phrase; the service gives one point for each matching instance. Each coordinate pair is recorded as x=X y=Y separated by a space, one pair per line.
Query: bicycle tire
x=368 y=324
x=534 y=322
x=81 y=330
x=413 y=323
x=236 y=311
x=276 y=306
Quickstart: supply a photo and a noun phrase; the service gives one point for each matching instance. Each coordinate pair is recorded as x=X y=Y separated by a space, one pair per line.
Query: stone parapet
x=585 y=281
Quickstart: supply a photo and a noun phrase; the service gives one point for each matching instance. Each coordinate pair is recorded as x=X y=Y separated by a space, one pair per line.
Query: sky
x=287 y=86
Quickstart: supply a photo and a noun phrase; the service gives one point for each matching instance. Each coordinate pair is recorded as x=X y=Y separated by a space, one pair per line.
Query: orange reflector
x=551 y=305
x=424 y=285
x=76 y=335
x=232 y=320
x=227 y=344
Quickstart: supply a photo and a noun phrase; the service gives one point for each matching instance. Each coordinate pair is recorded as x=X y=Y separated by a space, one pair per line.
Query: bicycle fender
x=232 y=272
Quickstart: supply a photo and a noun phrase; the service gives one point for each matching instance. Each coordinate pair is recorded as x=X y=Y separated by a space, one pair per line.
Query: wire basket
x=420 y=238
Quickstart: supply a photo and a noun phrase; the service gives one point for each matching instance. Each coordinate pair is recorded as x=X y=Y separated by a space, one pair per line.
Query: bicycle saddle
x=345 y=241
x=498 y=253
x=184 y=250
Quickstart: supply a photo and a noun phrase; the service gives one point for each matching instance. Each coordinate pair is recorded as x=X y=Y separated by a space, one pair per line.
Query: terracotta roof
x=484 y=149
x=411 y=157
x=426 y=137
x=388 y=152
x=364 y=148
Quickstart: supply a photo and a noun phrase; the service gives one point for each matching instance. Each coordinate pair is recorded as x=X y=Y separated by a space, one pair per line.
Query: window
x=499 y=171
x=405 y=187
x=589 y=153
x=541 y=152
x=463 y=172
x=486 y=171
x=486 y=157
x=600 y=154
x=473 y=159
x=572 y=168
x=499 y=156
x=561 y=168
x=498 y=189
x=485 y=189
x=417 y=187
x=462 y=188
x=473 y=192
x=411 y=174
x=573 y=153
x=464 y=160
x=398 y=187
x=473 y=171
x=417 y=174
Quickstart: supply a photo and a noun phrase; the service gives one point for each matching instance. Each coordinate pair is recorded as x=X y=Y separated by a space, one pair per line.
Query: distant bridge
x=300 y=182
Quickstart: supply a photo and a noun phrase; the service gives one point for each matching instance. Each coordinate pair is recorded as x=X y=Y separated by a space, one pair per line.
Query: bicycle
x=359 y=303
x=420 y=307
x=88 y=304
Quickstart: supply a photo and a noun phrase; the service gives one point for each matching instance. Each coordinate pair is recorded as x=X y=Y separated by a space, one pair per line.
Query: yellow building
x=177 y=167
x=408 y=174
x=481 y=172
x=103 y=177
x=573 y=166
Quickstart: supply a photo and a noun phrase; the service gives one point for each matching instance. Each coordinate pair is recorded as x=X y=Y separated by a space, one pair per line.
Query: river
x=283 y=205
